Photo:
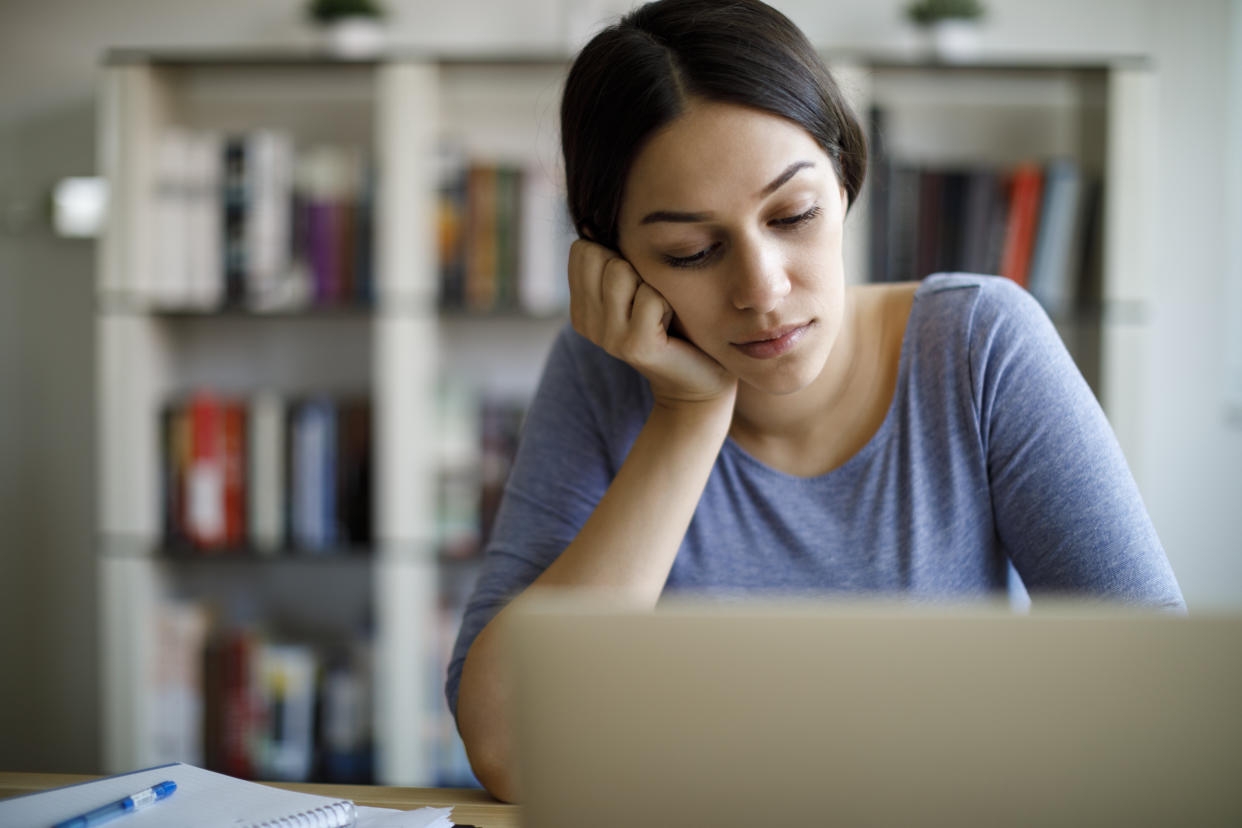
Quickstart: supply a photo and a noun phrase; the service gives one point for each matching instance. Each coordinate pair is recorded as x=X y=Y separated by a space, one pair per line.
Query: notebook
x=733 y=715
x=204 y=798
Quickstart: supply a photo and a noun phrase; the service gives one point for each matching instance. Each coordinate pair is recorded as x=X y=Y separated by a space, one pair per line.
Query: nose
x=759 y=282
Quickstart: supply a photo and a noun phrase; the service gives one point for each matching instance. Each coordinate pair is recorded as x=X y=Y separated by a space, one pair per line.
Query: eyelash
x=704 y=256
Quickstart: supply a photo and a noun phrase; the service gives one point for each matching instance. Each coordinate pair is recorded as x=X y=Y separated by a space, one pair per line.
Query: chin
x=780 y=380
x=777 y=386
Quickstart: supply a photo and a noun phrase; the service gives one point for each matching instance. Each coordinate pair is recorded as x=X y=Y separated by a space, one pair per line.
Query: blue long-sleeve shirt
x=993 y=450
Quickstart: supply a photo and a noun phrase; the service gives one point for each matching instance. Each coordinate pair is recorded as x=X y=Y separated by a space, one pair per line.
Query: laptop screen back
x=810 y=714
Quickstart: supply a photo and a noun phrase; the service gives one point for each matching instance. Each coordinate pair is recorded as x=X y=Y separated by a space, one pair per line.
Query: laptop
x=815 y=713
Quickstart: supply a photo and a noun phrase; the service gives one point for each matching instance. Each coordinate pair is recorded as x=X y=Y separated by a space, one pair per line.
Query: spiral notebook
x=202 y=798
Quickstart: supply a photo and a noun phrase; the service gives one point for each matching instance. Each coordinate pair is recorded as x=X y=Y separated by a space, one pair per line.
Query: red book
x=239 y=713
x=230 y=715
x=205 y=522
x=234 y=456
x=1025 y=193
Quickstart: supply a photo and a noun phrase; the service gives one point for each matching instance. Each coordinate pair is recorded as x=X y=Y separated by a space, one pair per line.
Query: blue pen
x=131 y=803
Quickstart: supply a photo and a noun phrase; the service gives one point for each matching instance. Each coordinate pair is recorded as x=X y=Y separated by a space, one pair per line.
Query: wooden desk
x=470 y=807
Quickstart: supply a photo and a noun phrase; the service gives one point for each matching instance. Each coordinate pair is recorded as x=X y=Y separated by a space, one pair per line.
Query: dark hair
x=637 y=76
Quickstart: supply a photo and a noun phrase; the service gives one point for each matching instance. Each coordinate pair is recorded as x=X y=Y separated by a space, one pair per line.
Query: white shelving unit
x=403 y=108
x=1000 y=112
x=396 y=353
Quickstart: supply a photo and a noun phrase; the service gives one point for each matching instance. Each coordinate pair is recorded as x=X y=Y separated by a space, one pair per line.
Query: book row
x=242 y=702
x=252 y=220
x=503 y=236
x=478 y=438
x=239 y=700
x=1036 y=223
x=267 y=474
x=249 y=220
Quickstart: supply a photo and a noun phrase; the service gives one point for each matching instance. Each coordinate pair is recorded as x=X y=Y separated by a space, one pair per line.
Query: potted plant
x=352 y=28
x=951 y=26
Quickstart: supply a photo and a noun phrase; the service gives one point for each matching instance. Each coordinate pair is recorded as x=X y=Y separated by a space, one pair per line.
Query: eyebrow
x=771 y=187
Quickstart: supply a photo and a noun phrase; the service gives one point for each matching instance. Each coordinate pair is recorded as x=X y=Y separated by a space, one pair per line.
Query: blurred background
x=243 y=484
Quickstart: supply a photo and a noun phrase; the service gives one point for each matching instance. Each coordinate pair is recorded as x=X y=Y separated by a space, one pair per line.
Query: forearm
x=627 y=546
x=631 y=539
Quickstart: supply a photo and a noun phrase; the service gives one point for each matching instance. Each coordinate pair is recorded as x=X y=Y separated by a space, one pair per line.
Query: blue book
x=1053 y=278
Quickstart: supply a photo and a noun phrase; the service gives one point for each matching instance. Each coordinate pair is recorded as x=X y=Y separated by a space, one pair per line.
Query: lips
x=772 y=343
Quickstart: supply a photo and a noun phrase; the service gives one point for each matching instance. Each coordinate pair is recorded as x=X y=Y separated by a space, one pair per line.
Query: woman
x=727 y=415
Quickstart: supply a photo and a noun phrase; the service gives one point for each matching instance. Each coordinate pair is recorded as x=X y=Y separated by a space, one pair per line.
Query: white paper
x=392 y=818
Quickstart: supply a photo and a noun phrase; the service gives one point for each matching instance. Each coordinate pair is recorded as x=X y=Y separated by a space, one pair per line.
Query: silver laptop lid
x=814 y=714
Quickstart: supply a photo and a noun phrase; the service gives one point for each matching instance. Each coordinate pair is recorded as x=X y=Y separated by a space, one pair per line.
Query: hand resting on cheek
x=613 y=307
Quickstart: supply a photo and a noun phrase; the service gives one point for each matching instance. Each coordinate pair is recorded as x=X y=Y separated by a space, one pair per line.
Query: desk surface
x=470 y=807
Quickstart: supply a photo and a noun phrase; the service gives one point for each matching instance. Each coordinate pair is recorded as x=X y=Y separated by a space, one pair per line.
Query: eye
x=694 y=260
x=801 y=218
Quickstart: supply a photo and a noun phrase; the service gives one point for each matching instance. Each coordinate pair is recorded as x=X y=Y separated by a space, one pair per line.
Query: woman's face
x=735 y=216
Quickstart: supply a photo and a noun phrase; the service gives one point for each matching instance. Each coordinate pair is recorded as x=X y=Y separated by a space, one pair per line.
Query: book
x=312 y=467
x=205 y=223
x=285 y=680
x=205 y=510
x=903 y=224
x=266 y=476
x=267 y=219
x=237 y=175
x=204 y=798
x=981 y=203
x=928 y=227
x=481 y=238
x=267 y=473
x=181 y=630
x=173 y=210
x=346 y=741
x=353 y=472
x=546 y=234
x=231 y=707
x=233 y=421
x=174 y=474
x=1053 y=274
x=1025 y=194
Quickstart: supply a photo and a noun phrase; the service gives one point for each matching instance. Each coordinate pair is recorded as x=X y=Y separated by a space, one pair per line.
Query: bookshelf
x=391 y=344
x=1099 y=113
x=398 y=348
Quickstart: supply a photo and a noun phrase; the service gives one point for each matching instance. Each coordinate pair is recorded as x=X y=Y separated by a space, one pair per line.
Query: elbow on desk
x=496 y=776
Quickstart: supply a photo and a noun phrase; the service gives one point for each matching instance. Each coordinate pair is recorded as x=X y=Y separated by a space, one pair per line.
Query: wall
x=48 y=52
x=48 y=605
x=1194 y=487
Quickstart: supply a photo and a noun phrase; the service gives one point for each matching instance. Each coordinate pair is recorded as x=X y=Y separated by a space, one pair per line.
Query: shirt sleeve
x=1067 y=509
x=566 y=459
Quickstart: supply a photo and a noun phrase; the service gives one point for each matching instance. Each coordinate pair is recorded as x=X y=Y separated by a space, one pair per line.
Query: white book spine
x=270 y=153
x=543 y=286
x=267 y=472
x=169 y=273
x=207 y=234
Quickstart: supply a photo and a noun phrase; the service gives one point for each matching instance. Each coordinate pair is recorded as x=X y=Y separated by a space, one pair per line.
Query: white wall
x=1194 y=489
x=48 y=53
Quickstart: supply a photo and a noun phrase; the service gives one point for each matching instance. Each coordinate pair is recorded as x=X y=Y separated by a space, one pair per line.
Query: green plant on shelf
x=927 y=12
x=330 y=11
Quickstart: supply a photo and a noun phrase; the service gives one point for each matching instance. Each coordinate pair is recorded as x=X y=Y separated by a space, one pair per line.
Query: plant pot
x=354 y=37
x=953 y=41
